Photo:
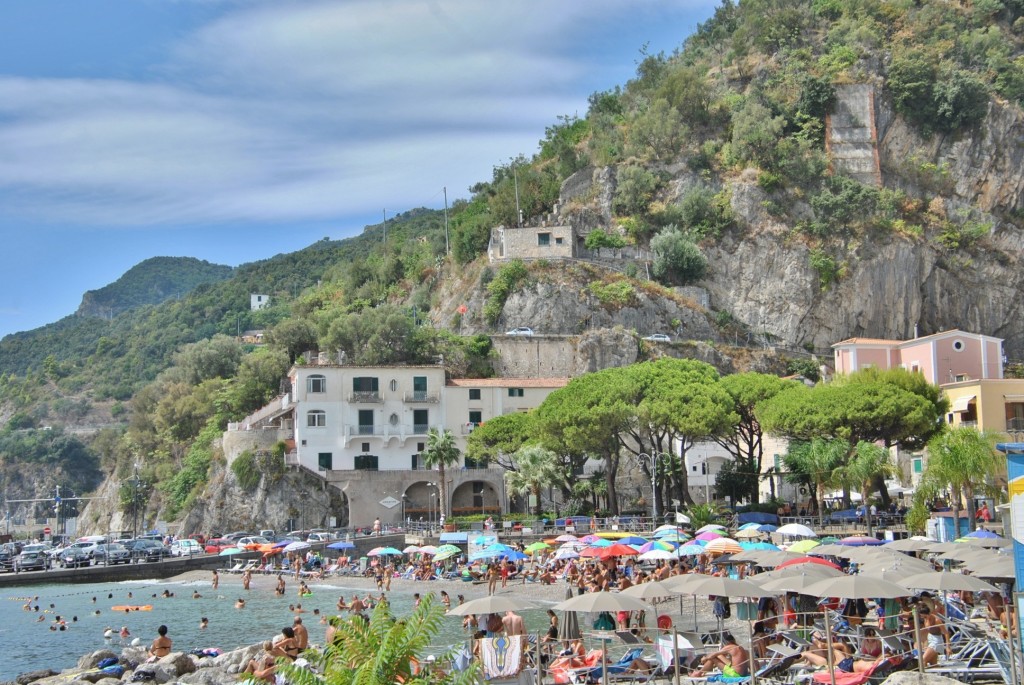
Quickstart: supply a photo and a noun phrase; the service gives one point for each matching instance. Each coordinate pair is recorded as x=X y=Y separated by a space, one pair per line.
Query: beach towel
x=502 y=656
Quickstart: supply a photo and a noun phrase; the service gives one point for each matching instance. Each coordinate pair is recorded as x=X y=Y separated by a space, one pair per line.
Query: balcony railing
x=1015 y=424
x=387 y=430
x=420 y=429
x=422 y=396
x=365 y=397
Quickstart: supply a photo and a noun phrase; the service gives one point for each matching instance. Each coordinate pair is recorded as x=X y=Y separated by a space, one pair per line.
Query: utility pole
x=447 y=247
x=515 y=178
x=385 y=211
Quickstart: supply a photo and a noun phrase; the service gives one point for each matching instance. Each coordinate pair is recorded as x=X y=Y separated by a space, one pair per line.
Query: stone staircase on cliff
x=851 y=137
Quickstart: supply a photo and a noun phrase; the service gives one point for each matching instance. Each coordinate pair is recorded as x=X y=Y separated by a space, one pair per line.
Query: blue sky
x=234 y=130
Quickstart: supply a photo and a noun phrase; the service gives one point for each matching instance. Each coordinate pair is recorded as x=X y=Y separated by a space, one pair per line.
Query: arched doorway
x=475 y=497
x=422 y=502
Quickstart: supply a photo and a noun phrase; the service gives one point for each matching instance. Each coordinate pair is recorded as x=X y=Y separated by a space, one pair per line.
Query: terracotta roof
x=867 y=341
x=508 y=382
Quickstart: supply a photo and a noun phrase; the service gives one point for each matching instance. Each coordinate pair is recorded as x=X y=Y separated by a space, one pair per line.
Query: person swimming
x=240 y=604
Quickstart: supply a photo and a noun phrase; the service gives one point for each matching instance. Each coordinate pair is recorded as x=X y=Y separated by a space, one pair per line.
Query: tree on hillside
x=677 y=259
x=960 y=460
x=534 y=469
x=746 y=443
x=380 y=335
x=869 y=462
x=815 y=462
x=441 y=453
x=295 y=336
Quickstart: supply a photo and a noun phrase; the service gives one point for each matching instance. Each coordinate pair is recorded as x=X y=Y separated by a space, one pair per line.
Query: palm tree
x=701 y=515
x=441 y=452
x=535 y=468
x=868 y=461
x=961 y=459
x=380 y=651
x=816 y=462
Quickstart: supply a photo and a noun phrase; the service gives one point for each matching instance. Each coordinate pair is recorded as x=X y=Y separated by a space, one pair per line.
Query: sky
x=234 y=130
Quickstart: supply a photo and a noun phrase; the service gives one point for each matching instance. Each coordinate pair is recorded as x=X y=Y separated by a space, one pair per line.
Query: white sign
x=389 y=502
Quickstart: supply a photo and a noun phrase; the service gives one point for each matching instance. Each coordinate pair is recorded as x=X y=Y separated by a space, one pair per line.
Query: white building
x=258 y=301
x=362 y=429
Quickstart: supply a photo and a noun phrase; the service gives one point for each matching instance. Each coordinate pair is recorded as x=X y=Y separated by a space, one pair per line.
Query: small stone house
x=531 y=242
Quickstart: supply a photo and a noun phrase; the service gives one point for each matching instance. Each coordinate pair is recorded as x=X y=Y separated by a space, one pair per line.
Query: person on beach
x=303 y=589
x=341 y=603
x=492 y=578
x=264 y=668
x=215 y=583
x=279 y=590
x=287 y=646
x=203 y=623
x=240 y=604
x=246 y=580
x=733 y=660
x=161 y=646
x=446 y=600
x=301 y=634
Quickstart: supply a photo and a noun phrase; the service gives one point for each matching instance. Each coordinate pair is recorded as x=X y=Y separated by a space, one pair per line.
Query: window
x=958 y=345
x=317 y=418
x=474 y=393
x=415 y=462
x=366 y=422
x=393 y=419
x=420 y=446
x=364 y=447
x=420 y=421
x=918 y=465
x=419 y=388
x=543 y=239
x=366 y=462
x=515 y=392
x=476 y=418
x=960 y=377
x=316 y=384
x=324 y=461
x=365 y=384
x=915 y=367
x=393 y=385
x=558 y=241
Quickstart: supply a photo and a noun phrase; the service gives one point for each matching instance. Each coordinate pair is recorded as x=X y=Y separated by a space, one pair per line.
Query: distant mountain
x=151 y=282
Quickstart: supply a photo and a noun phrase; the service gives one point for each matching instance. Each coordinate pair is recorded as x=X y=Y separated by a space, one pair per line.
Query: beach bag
x=604 y=622
x=721 y=608
x=143 y=676
x=109 y=661
x=114 y=670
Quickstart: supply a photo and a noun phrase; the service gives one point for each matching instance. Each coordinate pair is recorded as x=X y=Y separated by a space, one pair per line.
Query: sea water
x=28 y=644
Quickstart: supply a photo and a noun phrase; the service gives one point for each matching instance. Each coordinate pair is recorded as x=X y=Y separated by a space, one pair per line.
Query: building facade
x=363 y=430
x=947 y=357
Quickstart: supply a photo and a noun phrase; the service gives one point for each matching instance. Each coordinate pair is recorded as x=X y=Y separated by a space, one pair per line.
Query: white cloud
x=293 y=111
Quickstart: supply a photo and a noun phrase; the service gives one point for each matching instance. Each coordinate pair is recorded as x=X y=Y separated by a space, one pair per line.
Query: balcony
x=365 y=397
x=385 y=430
x=420 y=429
x=368 y=430
x=422 y=396
x=1015 y=424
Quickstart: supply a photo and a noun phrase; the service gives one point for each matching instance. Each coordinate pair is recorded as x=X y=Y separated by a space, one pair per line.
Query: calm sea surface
x=28 y=644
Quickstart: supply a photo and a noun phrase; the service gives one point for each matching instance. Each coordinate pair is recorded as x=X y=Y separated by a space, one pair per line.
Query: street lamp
x=651 y=461
x=432 y=489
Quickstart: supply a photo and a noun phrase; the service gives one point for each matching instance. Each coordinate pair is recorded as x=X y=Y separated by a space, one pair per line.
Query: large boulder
x=917 y=678
x=177 y=663
x=32 y=676
x=209 y=676
x=90 y=660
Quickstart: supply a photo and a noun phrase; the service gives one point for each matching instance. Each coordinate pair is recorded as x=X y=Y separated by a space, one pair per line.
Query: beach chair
x=237 y=568
x=618 y=670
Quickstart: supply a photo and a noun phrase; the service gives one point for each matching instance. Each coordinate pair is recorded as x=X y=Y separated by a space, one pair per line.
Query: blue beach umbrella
x=341 y=544
x=690 y=550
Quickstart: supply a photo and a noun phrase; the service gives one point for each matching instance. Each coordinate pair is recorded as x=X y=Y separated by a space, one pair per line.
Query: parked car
x=87 y=546
x=251 y=542
x=149 y=550
x=74 y=557
x=186 y=547
x=112 y=553
x=658 y=337
x=319 y=537
x=520 y=330
x=268 y=533
x=7 y=557
x=31 y=561
x=215 y=545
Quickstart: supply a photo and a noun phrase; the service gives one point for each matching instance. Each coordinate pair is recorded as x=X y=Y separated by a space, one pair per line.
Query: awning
x=960 y=403
x=455 y=538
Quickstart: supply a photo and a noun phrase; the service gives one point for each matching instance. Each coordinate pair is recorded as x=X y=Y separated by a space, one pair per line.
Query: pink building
x=947 y=357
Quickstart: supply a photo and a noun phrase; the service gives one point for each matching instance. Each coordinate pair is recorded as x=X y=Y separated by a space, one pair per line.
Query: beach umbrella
x=806 y=560
x=833 y=550
x=428 y=549
x=982 y=534
x=714 y=527
x=666 y=527
x=267 y=548
x=767 y=528
x=1001 y=570
x=758 y=547
x=796 y=530
x=633 y=540
x=514 y=555
x=535 y=547
x=723 y=546
x=566 y=537
x=708 y=536
x=856 y=587
x=285 y=543
x=748 y=533
x=944 y=581
x=411 y=549
x=594 y=602
x=601 y=542
x=445 y=552
x=228 y=551
x=988 y=542
x=910 y=545
x=656 y=555
x=894 y=574
x=860 y=541
x=341 y=544
x=690 y=550
x=803 y=546
x=942 y=547
x=656 y=545
x=493 y=604
x=569 y=626
x=590 y=539
x=647 y=591
x=672 y=537
x=753 y=525
x=724 y=586
x=383 y=552
x=793 y=582
x=617 y=550
x=297 y=547
x=966 y=552
x=802 y=570
x=567 y=554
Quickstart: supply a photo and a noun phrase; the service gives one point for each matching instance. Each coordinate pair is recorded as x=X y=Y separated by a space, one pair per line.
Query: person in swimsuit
x=731 y=658
x=288 y=646
x=936 y=636
x=161 y=646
